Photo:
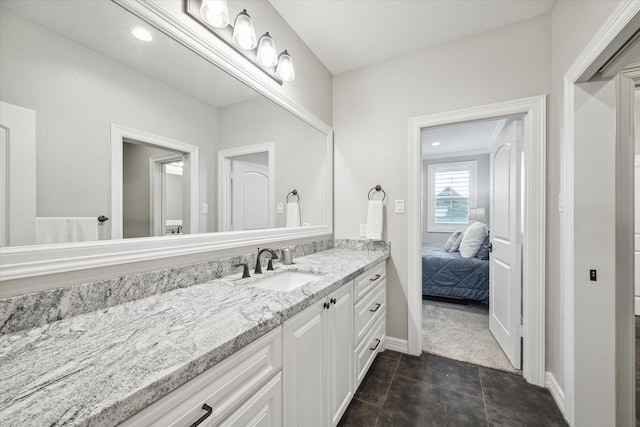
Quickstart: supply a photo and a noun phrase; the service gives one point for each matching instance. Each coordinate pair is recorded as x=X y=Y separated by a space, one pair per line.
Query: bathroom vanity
x=243 y=351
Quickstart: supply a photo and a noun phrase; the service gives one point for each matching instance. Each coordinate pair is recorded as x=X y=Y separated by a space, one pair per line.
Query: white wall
x=482 y=192
x=77 y=94
x=300 y=153
x=372 y=107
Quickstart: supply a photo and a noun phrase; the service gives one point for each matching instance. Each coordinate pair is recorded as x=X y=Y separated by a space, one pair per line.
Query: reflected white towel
x=66 y=229
x=374 y=220
x=293 y=215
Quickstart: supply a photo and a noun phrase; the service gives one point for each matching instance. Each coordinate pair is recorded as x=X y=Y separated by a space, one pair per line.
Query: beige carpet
x=461 y=332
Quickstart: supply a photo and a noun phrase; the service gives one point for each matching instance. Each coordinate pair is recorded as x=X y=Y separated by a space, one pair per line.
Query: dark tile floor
x=429 y=390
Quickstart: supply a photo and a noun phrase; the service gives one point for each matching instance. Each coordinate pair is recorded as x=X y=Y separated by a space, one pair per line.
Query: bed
x=447 y=274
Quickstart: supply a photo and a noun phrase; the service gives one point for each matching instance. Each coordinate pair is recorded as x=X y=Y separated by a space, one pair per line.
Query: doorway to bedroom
x=471 y=297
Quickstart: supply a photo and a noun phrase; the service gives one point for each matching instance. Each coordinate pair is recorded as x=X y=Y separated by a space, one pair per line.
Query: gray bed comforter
x=448 y=274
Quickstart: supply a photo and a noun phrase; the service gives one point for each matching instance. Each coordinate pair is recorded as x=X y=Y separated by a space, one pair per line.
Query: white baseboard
x=637 y=306
x=396 y=344
x=557 y=392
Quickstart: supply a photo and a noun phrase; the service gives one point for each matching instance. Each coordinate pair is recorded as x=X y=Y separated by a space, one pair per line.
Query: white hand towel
x=66 y=229
x=374 y=220
x=293 y=215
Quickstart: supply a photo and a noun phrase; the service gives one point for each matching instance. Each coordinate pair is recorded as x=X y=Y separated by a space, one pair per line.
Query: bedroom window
x=452 y=191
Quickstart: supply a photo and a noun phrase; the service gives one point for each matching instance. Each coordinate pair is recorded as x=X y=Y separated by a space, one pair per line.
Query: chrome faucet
x=274 y=255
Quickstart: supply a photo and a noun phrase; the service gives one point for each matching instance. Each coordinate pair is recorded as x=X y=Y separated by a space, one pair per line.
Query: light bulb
x=267 y=55
x=215 y=13
x=285 y=71
x=244 y=36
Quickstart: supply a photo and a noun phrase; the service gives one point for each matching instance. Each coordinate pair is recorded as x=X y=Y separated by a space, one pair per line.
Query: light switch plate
x=279 y=208
x=363 y=230
x=400 y=206
x=205 y=208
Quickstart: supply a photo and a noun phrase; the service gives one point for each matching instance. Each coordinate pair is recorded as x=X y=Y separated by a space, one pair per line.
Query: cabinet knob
x=326 y=305
x=333 y=300
x=209 y=410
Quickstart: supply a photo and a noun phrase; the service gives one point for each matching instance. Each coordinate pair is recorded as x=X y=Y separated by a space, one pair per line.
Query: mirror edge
x=39 y=260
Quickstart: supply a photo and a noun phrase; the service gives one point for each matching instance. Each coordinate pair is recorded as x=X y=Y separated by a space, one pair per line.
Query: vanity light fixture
x=244 y=35
x=241 y=36
x=267 y=56
x=285 y=70
x=141 y=34
x=215 y=12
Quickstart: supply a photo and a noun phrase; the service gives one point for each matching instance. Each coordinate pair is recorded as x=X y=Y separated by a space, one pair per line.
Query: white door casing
x=637 y=234
x=18 y=135
x=505 y=286
x=534 y=213
x=190 y=174
x=249 y=195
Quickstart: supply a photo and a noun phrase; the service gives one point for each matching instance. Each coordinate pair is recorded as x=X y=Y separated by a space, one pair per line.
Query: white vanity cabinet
x=369 y=312
x=244 y=389
x=318 y=354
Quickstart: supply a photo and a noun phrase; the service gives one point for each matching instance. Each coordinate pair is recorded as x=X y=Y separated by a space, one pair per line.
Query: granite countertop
x=102 y=367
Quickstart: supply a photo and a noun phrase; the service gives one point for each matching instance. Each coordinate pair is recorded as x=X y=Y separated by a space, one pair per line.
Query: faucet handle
x=270 y=264
x=245 y=270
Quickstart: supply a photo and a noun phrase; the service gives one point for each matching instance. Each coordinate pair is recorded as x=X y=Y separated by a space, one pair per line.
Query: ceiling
x=104 y=27
x=459 y=138
x=350 y=34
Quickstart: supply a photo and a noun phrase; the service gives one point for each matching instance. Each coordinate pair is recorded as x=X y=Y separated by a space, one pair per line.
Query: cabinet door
x=304 y=364
x=339 y=352
x=263 y=409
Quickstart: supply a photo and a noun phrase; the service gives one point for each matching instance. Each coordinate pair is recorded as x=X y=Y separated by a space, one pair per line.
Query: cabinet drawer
x=264 y=408
x=223 y=387
x=367 y=350
x=368 y=280
x=368 y=311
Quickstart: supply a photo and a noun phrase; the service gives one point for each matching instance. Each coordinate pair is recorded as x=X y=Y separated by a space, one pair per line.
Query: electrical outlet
x=279 y=208
x=400 y=206
x=363 y=230
x=205 y=208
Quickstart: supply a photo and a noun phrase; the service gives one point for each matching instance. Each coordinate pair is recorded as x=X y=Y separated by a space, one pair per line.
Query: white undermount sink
x=285 y=282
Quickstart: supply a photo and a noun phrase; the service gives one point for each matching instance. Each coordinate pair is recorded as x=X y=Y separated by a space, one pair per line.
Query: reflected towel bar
x=103 y=218
x=293 y=193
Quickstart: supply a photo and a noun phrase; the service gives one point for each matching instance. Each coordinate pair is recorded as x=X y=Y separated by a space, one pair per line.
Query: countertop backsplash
x=37 y=309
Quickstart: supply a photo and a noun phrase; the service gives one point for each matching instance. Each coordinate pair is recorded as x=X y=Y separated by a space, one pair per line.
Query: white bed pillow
x=473 y=239
x=453 y=242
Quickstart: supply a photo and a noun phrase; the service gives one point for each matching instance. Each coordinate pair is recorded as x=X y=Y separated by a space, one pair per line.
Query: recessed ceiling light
x=141 y=34
x=435 y=144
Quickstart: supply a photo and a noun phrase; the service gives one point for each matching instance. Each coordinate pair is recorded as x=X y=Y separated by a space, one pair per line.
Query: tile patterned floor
x=429 y=390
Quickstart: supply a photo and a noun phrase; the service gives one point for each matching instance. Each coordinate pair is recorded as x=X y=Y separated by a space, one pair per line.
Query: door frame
x=533 y=293
x=191 y=153
x=224 y=167
x=606 y=42
x=157 y=178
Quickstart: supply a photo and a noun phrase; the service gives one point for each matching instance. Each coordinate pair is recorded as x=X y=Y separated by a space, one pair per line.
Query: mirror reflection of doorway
x=249 y=192
x=246 y=187
x=153 y=191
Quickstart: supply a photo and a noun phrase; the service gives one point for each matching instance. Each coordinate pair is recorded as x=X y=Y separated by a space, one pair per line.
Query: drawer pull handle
x=377 y=344
x=326 y=305
x=375 y=309
x=333 y=301
x=375 y=278
x=209 y=410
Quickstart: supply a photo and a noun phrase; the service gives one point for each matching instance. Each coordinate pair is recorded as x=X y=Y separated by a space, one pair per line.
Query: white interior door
x=505 y=265
x=249 y=195
x=18 y=171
